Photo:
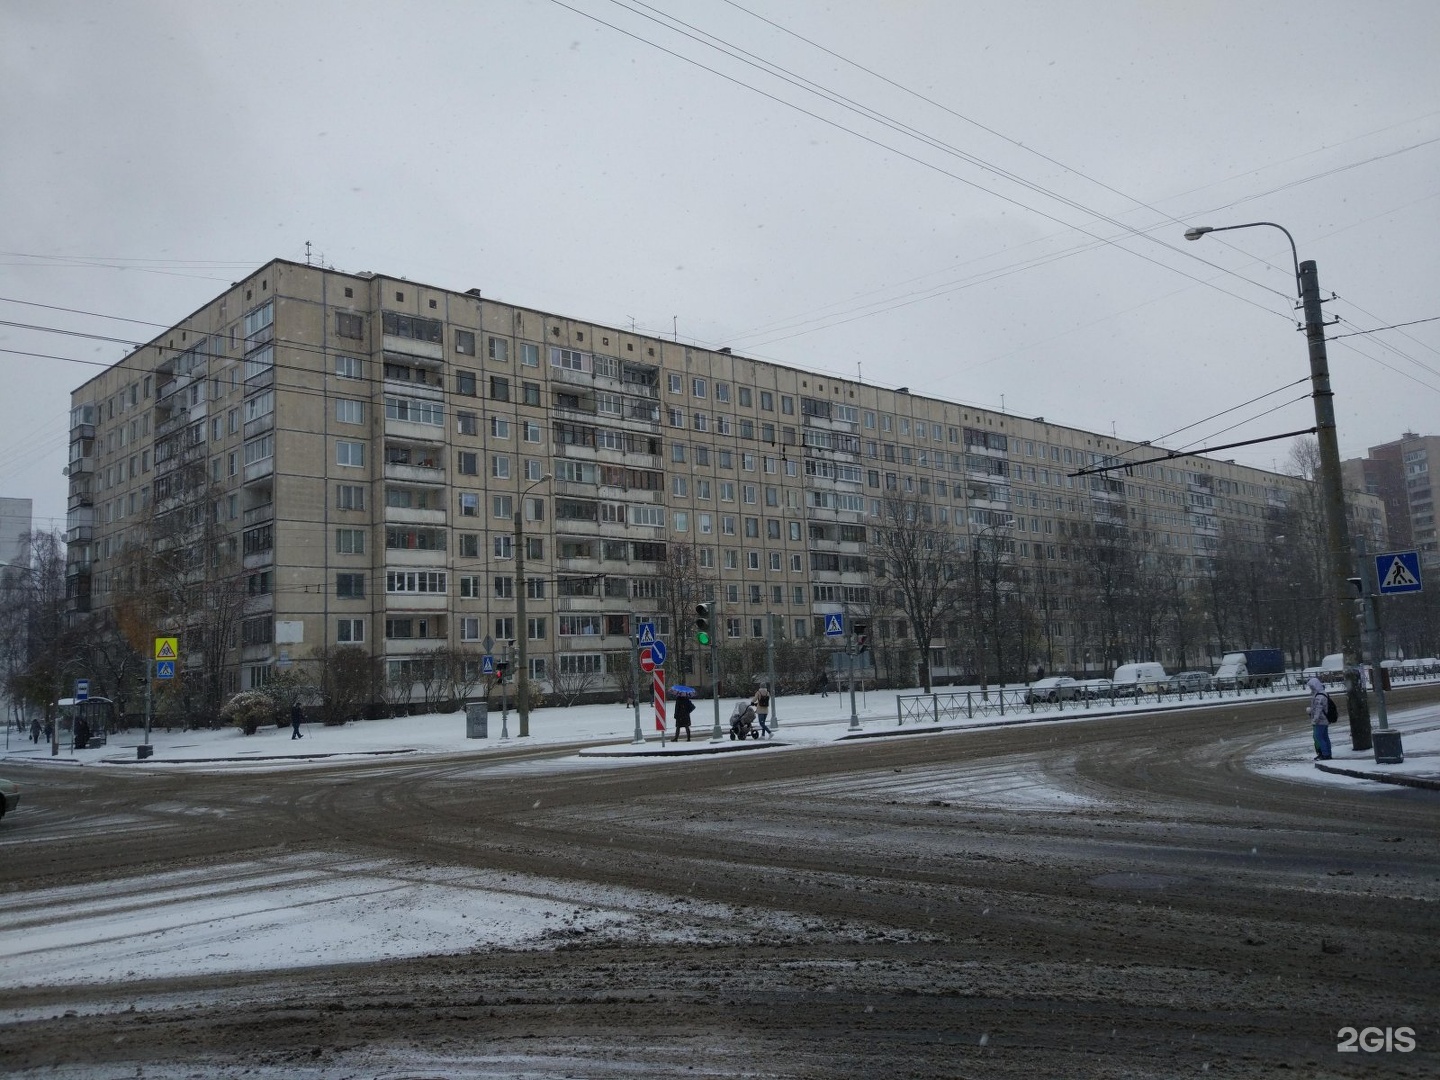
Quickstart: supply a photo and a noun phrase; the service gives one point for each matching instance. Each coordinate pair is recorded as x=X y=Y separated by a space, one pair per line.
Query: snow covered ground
x=606 y=730
x=303 y=910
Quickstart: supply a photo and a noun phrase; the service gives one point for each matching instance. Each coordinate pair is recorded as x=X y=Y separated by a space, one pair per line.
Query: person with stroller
x=761 y=702
x=742 y=721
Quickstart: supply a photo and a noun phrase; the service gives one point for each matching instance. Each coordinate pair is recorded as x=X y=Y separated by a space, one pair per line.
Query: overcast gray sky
x=984 y=201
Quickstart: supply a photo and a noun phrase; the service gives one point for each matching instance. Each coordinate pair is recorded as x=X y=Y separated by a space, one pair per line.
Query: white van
x=1141 y=679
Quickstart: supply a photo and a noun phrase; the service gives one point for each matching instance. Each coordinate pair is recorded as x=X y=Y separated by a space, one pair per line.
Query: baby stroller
x=742 y=722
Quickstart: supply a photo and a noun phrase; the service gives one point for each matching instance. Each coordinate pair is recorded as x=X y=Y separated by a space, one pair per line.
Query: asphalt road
x=1119 y=897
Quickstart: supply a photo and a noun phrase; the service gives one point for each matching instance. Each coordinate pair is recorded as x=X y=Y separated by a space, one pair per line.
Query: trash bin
x=477 y=720
x=143 y=751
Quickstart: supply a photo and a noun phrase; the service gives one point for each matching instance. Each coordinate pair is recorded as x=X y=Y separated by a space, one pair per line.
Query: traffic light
x=703 y=614
x=501 y=667
x=862 y=637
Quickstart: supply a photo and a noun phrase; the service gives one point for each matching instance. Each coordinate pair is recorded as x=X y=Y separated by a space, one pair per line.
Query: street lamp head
x=1197 y=232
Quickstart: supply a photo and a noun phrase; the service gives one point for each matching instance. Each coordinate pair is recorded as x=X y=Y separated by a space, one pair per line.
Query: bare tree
x=919 y=568
x=350 y=679
x=44 y=648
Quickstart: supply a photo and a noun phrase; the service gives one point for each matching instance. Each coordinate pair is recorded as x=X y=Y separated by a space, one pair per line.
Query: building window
x=530 y=355
x=503 y=546
x=499 y=350
x=467 y=423
x=350 y=454
x=465 y=342
x=350 y=586
x=349 y=497
x=350 y=630
x=469 y=504
x=259 y=631
x=349 y=325
x=467 y=463
x=348 y=411
x=500 y=466
x=674 y=382
x=499 y=388
x=465 y=383
x=350 y=541
x=504 y=587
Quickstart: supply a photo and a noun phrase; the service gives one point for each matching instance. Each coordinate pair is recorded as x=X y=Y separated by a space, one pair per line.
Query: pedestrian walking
x=684 y=708
x=1319 y=711
x=35 y=730
x=297 y=714
x=49 y=731
x=761 y=701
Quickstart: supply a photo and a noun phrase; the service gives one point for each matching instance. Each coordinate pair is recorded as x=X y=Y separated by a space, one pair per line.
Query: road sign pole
x=635 y=679
x=149 y=682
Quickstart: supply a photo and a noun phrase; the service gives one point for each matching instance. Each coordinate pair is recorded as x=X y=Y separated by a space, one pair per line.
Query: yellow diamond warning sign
x=167 y=648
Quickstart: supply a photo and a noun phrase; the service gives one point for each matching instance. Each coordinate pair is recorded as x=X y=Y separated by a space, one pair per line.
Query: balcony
x=80 y=534
x=416 y=601
x=408 y=558
x=257 y=514
x=81 y=466
x=414 y=432
x=412 y=348
x=80 y=499
x=416 y=474
x=82 y=431
x=259 y=425
x=404 y=647
x=258 y=470
x=406 y=515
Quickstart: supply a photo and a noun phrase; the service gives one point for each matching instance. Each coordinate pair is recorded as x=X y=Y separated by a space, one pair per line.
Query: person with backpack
x=1322 y=711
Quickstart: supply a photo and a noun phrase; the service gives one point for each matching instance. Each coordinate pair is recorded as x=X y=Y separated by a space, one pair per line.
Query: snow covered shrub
x=249 y=709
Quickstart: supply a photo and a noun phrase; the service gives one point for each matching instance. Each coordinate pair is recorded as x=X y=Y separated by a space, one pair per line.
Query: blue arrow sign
x=487 y=665
x=164 y=669
x=1398 y=572
x=645 y=633
x=657 y=653
x=834 y=625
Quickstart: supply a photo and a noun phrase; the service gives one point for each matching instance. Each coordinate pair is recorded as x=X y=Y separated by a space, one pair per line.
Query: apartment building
x=361 y=444
x=1399 y=474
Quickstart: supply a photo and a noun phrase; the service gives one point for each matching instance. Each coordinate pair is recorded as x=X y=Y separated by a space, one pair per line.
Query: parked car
x=9 y=797
x=1330 y=669
x=1143 y=678
x=1095 y=688
x=1190 y=682
x=1055 y=688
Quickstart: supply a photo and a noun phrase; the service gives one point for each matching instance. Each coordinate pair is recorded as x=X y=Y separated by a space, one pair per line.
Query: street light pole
x=522 y=629
x=1307 y=286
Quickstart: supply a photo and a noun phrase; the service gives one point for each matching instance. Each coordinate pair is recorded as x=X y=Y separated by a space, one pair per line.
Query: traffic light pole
x=850 y=657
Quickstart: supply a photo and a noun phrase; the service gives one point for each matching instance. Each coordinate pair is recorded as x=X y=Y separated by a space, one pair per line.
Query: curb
x=669 y=751
x=1384 y=778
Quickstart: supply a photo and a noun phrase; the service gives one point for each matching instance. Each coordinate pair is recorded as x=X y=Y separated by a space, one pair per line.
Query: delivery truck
x=1250 y=668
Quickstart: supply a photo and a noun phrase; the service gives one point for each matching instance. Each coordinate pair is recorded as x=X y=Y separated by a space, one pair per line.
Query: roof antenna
x=307 y=252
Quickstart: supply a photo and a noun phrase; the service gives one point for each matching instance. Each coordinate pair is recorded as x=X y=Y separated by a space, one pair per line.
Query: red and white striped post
x=660 y=701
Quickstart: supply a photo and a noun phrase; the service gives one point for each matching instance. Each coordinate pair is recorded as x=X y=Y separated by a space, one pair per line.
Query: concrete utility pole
x=1332 y=490
x=522 y=627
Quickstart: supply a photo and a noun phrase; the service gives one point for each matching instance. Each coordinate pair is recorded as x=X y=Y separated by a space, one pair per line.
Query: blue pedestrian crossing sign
x=834 y=625
x=645 y=633
x=164 y=669
x=487 y=665
x=1398 y=572
x=657 y=653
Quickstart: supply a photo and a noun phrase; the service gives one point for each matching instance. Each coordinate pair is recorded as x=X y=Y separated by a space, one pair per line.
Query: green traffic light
x=702 y=637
